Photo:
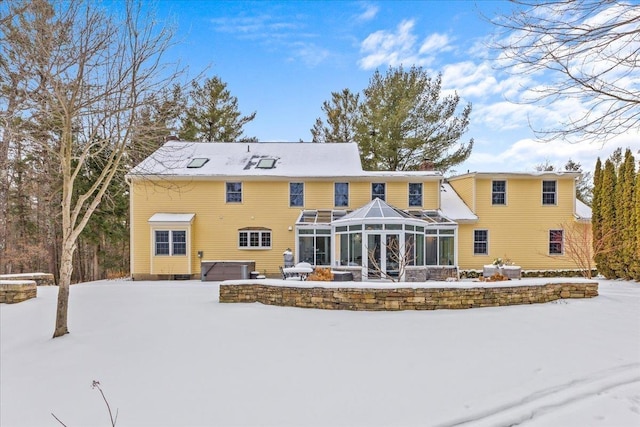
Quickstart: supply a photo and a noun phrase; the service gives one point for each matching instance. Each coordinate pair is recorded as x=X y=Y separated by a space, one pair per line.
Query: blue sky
x=283 y=59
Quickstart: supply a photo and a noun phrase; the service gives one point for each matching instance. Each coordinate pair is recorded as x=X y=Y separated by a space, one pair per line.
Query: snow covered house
x=202 y=204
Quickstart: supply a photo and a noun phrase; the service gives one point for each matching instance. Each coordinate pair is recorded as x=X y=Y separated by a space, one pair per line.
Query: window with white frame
x=480 y=242
x=378 y=190
x=556 y=242
x=499 y=192
x=170 y=242
x=296 y=194
x=341 y=194
x=548 y=192
x=254 y=239
x=234 y=192
x=415 y=194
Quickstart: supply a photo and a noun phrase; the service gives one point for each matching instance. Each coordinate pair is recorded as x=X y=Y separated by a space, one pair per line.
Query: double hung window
x=415 y=194
x=480 y=242
x=234 y=192
x=296 y=194
x=499 y=193
x=548 y=192
x=341 y=194
x=556 y=242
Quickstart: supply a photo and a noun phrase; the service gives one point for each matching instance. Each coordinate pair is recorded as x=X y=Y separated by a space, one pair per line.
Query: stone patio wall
x=371 y=299
x=13 y=291
x=41 y=279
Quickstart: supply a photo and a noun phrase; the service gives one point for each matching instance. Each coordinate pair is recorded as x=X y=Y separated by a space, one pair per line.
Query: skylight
x=266 y=163
x=198 y=162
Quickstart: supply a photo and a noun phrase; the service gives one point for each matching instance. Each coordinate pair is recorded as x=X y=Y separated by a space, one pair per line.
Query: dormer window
x=198 y=162
x=266 y=163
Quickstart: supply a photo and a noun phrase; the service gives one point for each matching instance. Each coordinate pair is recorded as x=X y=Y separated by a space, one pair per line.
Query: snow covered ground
x=168 y=354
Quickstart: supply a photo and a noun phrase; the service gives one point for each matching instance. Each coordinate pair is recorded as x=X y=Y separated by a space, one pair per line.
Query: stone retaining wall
x=13 y=291
x=41 y=279
x=374 y=299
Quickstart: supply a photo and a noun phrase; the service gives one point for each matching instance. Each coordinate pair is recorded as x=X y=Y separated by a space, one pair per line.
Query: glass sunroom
x=377 y=239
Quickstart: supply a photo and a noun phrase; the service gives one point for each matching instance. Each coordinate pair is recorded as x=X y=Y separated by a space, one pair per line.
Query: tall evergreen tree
x=584 y=189
x=405 y=123
x=342 y=114
x=625 y=216
x=402 y=123
x=608 y=225
x=636 y=262
x=212 y=114
x=596 y=207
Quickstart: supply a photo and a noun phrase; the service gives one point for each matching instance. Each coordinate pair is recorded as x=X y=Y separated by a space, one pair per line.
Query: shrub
x=497 y=277
x=321 y=275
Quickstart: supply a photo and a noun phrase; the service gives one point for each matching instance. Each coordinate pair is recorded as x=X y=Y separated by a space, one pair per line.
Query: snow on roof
x=557 y=174
x=583 y=211
x=263 y=159
x=286 y=159
x=171 y=217
x=452 y=206
x=377 y=209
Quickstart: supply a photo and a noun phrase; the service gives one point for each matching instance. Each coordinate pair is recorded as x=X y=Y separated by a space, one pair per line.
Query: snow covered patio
x=168 y=354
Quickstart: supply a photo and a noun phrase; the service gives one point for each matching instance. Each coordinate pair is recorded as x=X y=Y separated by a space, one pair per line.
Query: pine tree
x=584 y=190
x=213 y=115
x=341 y=118
x=405 y=123
x=401 y=122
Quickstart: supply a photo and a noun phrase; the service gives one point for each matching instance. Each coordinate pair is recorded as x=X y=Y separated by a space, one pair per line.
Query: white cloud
x=526 y=153
x=400 y=47
x=311 y=54
x=470 y=79
x=370 y=12
x=257 y=26
x=435 y=43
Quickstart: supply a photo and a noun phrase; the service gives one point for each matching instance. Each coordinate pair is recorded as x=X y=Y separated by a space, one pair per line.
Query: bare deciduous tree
x=581 y=247
x=399 y=257
x=83 y=74
x=587 y=50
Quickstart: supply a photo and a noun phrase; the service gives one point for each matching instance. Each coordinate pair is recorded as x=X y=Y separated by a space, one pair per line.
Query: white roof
x=282 y=159
x=521 y=174
x=172 y=217
x=583 y=211
x=291 y=159
x=452 y=206
x=375 y=209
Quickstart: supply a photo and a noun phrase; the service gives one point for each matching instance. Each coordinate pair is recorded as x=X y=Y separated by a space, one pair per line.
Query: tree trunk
x=66 y=270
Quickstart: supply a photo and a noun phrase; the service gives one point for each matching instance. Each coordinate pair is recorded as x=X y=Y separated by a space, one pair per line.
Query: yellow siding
x=465 y=189
x=520 y=230
x=360 y=194
x=214 y=230
x=398 y=194
x=431 y=190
